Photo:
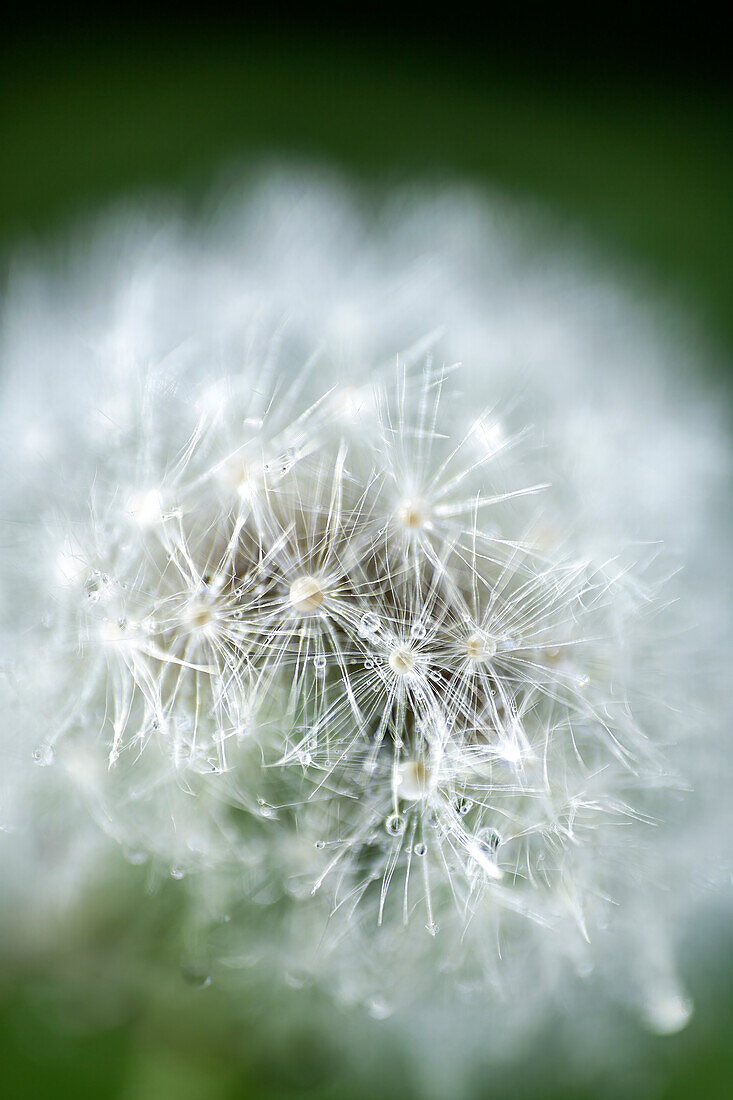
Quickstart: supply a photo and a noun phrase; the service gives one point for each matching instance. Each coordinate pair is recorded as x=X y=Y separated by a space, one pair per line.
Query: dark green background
x=636 y=157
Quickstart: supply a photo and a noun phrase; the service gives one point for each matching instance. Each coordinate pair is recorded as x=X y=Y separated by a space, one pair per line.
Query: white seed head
x=457 y=765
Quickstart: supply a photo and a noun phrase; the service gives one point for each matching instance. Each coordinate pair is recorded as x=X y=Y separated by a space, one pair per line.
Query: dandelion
x=311 y=635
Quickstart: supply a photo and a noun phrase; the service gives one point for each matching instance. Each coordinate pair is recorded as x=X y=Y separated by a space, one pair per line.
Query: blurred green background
x=630 y=149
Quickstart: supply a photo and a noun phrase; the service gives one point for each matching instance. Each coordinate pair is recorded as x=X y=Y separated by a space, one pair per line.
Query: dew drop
x=95 y=586
x=44 y=755
x=177 y=872
x=462 y=805
x=419 y=630
x=395 y=824
x=379 y=1009
x=195 y=977
x=489 y=840
x=319 y=662
x=134 y=856
x=370 y=624
x=420 y=848
x=432 y=928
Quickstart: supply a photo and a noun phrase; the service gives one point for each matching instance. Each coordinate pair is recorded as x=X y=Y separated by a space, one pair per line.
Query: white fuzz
x=302 y=624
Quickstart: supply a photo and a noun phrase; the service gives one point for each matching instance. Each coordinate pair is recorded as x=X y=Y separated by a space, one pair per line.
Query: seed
x=306 y=594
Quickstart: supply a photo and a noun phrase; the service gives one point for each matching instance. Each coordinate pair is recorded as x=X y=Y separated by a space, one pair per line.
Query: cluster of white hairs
x=316 y=623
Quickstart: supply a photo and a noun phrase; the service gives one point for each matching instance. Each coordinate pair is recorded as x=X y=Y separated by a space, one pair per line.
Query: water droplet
x=95 y=586
x=177 y=872
x=320 y=844
x=432 y=928
x=395 y=824
x=370 y=624
x=253 y=423
x=462 y=805
x=133 y=855
x=44 y=755
x=319 y=662
x=288 y=460
x=369 y=664
x=195 y=976
x=420 y=848
x=296 y=979
x=489 y=840
x=378 y=1009
x=419 y=630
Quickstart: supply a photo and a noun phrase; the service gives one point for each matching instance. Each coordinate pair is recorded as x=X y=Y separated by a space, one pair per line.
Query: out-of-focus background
x=624 y=137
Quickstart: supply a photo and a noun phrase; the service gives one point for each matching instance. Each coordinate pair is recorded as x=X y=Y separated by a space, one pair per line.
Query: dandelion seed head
x=359 y=656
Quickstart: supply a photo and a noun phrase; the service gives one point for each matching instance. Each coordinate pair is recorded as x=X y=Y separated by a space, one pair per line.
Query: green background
x=638 y=161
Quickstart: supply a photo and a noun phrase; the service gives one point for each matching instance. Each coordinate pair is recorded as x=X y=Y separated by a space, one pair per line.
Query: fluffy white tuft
x=309 y=615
